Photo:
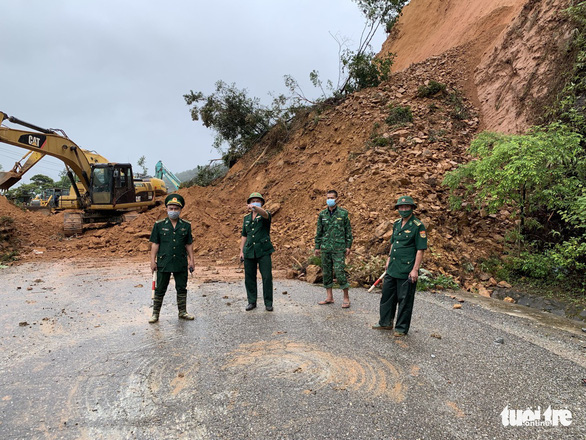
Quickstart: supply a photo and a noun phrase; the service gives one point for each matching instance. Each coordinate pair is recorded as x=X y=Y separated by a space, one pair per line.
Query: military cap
x=175 y=199
x=255 y=196
x=405 y=200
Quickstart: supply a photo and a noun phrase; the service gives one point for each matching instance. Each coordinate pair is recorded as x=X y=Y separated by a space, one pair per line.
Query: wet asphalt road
x=79 y=361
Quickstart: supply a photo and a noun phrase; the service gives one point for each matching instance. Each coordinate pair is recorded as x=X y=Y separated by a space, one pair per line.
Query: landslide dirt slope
x=467 y=45
x=333 y=150
x=516 y=51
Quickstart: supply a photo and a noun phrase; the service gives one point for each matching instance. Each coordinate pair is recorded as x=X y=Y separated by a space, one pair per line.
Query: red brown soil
x=516 y=52
x=464 y=44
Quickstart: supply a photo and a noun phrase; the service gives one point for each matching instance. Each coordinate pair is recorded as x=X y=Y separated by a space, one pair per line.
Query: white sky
x=112 y=74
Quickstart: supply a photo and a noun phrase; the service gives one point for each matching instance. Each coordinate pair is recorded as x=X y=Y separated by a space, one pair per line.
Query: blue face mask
x=331 y=202
x=256 y=204
x=173 y=215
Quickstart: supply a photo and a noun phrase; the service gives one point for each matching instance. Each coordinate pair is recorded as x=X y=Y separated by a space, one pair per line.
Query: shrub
x=399 y=115
x=431 y=89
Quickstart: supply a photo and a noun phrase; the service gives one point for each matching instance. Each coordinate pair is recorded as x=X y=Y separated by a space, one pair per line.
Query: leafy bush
x=368 y=270
x=431 y=89
x=205 y=175
x=427 y=281
x=459 y=110
x=399 y=115
x=239 y=121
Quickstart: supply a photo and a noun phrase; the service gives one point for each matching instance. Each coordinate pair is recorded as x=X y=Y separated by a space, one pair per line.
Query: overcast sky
x=112 y=74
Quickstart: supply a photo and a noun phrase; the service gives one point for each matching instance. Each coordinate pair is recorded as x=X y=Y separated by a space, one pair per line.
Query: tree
x=541 y=176
x=42 y=182
x=142 y=163
x=239 y=121
x=359 y=68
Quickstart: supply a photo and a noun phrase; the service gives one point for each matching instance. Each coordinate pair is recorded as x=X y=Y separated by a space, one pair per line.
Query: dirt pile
x=516 y=51
x=35 y=233
x=356 y=149
x=361 y=148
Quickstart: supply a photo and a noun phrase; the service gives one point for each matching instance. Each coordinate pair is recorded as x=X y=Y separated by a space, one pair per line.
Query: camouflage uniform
x=332 y=238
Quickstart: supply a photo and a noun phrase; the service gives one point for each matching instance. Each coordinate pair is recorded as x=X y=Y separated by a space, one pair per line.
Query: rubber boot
x=157 y=303
x=182 y=307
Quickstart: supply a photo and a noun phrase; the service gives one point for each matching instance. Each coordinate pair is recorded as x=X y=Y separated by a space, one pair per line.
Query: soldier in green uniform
x=255 y=251
x=333 y=240
x=408 y=244
x=172 y=252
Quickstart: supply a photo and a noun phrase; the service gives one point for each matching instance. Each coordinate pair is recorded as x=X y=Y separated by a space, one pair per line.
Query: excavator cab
x=112 y=184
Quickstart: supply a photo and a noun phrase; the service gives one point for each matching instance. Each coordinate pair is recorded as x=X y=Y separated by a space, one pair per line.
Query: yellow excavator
x=104 y=193
x=31 y=158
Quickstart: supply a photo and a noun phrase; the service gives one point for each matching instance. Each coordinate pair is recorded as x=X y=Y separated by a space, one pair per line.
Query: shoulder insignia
x=417 y=222
x=398 y=220
x=159 y=221
x=186 y=221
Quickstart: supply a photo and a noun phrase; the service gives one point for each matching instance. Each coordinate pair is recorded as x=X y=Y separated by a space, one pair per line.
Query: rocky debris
x=313 y=274
x=457 y=306
x=369 y=179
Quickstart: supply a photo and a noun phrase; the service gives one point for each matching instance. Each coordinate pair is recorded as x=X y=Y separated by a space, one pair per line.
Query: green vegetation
x=39 y=183
x=399 y=115
x=8 y=239
x=205 y=175
x=367 y=271
x=541 y=177
x=377 y=139
x=432 y=89
x=428 y=281
x=241 y=121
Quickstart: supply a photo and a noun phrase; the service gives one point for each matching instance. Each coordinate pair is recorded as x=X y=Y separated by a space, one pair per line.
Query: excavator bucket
x=8 y=178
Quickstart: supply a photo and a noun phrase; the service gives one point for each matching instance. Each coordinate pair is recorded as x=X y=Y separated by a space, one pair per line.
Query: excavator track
x=72 y=223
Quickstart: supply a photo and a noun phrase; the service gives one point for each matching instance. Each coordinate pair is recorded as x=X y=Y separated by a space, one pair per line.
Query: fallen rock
x=313 y=274
x=504 y=285
x=509 y=300
x=457 y=306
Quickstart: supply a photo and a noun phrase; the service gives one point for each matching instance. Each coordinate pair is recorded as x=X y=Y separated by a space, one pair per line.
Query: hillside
x=488 y=50
x=516 y=52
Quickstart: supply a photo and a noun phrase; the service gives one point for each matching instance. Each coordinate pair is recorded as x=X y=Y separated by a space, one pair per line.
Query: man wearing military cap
x=255 y=251
x=172 y=253
x=408 y=243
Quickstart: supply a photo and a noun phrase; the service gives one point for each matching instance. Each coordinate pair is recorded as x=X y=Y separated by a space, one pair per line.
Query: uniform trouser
x=161 y=288
x=265 y=266
x=397 y=292
x=334 y=262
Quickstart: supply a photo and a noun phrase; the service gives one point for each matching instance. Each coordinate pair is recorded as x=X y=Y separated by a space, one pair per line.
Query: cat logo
x=34 y=141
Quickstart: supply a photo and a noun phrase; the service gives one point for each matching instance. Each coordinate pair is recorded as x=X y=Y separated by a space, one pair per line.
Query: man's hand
x=347 y=251
x=191 y=267
x=317 y=252
x=387 y=263
x=414 y=275
x=153 y=266
x=241 y=255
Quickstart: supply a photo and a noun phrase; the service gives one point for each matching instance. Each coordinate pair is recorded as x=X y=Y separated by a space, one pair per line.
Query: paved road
x=79 y=361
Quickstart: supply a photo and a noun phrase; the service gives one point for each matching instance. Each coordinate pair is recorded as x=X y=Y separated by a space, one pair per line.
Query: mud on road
x=79 y=360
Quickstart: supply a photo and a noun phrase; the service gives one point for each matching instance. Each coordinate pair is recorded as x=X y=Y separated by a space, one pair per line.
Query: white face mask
x=173 y=215
x=256 y=204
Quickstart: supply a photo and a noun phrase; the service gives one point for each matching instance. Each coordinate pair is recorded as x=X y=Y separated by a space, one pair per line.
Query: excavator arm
x=10 y=178
x=48 y=142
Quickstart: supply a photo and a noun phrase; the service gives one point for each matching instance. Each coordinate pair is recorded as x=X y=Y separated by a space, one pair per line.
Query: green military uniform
x=257 y=253
x=332 y=238
x=397 y=288
x=172 y=258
